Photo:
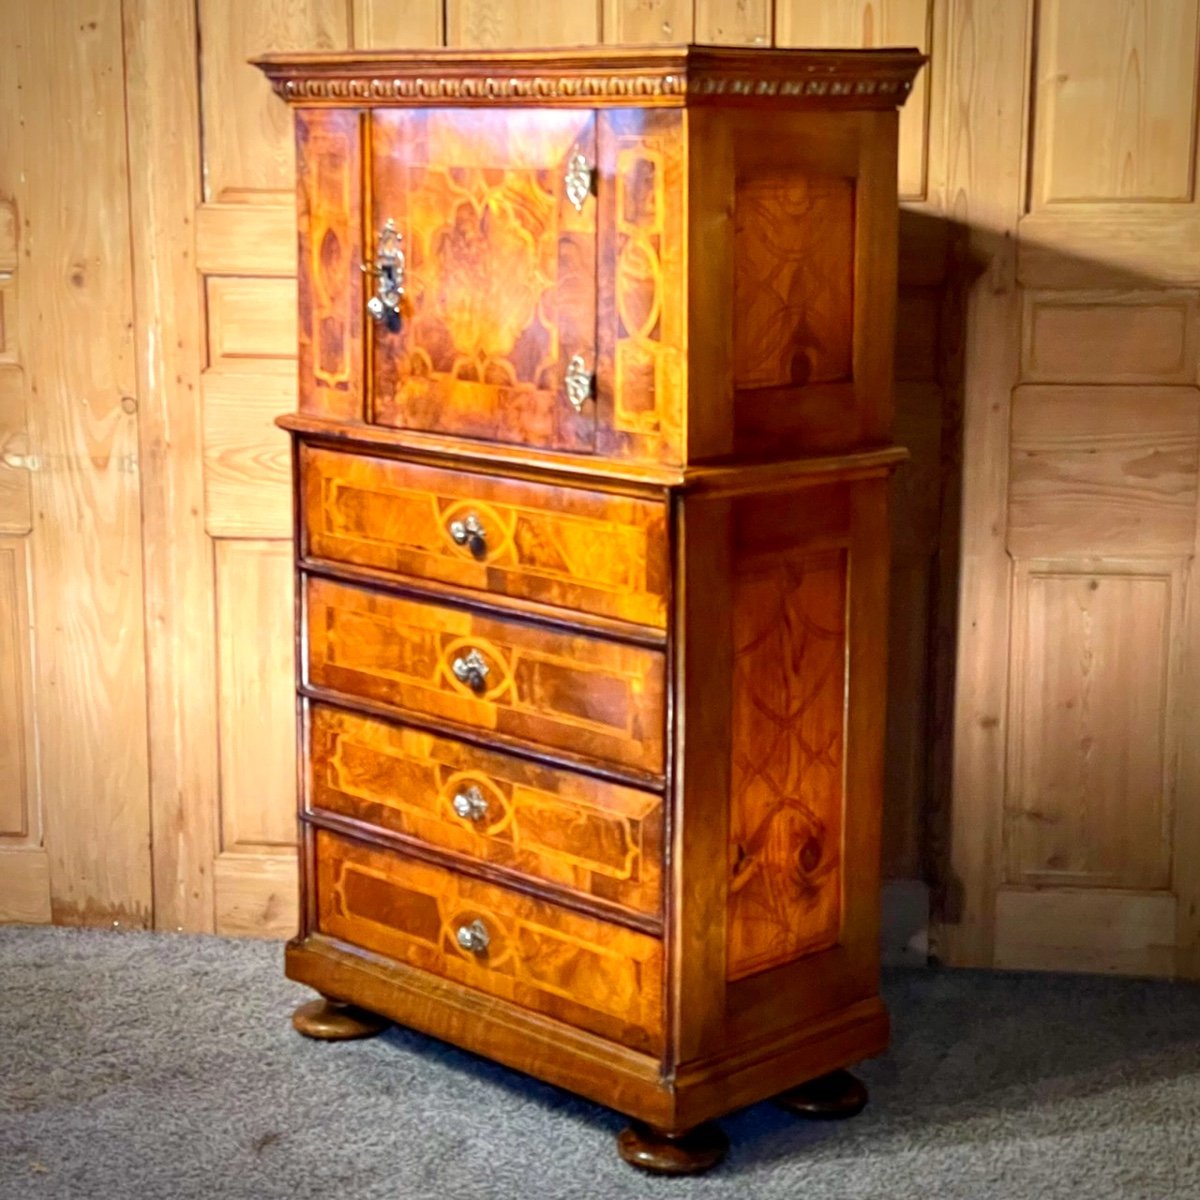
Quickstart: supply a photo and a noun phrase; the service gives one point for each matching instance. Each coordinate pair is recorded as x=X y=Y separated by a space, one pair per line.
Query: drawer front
x=575 y=968
x=564 y=691
x=577 y=549
x=597 y=838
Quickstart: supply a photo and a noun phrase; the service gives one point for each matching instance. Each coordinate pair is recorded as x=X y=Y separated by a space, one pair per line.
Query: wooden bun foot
x=832 y=1097
x=661 y=1153
x=332 y=1021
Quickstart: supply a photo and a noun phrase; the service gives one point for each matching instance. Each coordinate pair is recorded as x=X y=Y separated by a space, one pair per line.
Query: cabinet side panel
x=788 y=747
x=810 y=625
x=329 y=196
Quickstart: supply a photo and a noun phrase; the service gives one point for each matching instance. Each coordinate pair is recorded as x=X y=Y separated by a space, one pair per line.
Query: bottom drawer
x=575 y=968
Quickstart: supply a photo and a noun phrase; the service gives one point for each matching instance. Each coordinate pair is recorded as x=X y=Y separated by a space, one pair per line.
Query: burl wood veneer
x=591 y=494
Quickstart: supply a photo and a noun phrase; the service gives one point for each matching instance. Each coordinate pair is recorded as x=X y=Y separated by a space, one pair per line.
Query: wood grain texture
x=250 y=318
x=586 y=972
x=1114 y=101
x=247 y=468
x=25 y=894
x=570 y=692
x=786 y=800
x=255 y=895
x=734 y=22
x=90 y=673
x=246 y=239
x=329 y=221
x=793 y=281
x=20 y=807
x=380 y=23
x=870 y=23
x=16 y=510
x=1110 y=337
x=248 y=156
x=632 y=21
x=598 y=839
x=572 y=548
x=641 y=338
x=1112 y=933
x=484 y=24
x=986 y=70
x=1089 y=800
x=501 y=274
x=1103 y=471
x=255 y=708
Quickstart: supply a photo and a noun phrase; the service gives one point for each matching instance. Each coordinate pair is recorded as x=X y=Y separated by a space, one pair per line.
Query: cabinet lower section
x=624 y=1079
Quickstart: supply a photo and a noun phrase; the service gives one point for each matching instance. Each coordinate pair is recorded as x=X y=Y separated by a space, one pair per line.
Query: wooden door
x=1075 y=814
x=497 y=218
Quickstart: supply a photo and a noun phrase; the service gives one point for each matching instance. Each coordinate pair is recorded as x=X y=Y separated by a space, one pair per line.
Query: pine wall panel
x=1045 y=628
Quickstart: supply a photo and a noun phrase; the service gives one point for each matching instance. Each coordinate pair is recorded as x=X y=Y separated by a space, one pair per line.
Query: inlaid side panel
x=568 y=692
x=1090 y=776
x=570 y=547
x=330 y=293
x=1114 y=101
x=596 y=838
x=789 y=697
x=500 y=265
x=642 y=334
x=578 y=969
x=793 y=282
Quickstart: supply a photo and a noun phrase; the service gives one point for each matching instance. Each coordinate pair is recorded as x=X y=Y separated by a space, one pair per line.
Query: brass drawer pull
x=471 y=804
x=470 y=533
x=472 y=669
x=474 y=937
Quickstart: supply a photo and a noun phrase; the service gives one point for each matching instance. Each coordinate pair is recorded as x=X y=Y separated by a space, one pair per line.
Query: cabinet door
x=499 y=239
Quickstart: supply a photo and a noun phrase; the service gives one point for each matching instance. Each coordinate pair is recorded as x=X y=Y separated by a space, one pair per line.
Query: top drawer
x=583 y=550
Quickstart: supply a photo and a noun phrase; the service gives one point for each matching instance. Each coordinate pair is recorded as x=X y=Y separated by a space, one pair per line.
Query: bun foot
x=832 y=1097
x=332 y=1021
x=662 y=1153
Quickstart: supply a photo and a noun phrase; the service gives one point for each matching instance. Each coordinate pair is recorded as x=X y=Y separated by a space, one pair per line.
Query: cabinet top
x=604 y=77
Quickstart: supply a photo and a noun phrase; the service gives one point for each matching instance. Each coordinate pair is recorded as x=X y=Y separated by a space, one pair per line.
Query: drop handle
x=473 y=937
x=470 y=804
x=471 y=534
x=387 y=305
x=472 y=669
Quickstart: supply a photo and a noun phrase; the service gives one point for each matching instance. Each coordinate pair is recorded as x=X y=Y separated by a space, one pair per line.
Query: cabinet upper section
x=654 y=256
x=643 y=77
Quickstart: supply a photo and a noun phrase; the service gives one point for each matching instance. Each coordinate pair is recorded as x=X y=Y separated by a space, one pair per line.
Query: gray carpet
x=144 y=1067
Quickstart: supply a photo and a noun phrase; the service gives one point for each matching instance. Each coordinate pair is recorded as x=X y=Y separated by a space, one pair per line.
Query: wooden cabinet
x=591 y=480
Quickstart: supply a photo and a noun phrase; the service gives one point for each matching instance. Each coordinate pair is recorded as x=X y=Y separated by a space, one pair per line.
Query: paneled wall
x=1076 y=788
x=1046 y=364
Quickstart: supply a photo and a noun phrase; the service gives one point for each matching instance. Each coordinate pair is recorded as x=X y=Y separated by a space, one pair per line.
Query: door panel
x=500 y=274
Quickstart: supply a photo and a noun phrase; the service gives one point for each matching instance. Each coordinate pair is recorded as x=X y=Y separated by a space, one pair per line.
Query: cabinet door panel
x=500 y=273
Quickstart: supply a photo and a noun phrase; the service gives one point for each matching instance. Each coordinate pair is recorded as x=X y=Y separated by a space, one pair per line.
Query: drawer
x=574 y=548
x=571 y=967
x=597 y=838
x=564 y=691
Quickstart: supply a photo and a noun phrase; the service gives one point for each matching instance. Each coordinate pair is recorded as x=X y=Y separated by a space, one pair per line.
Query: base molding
x=622 y=1079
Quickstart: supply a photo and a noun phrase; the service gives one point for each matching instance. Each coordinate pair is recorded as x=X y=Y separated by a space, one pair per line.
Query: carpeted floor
x=142 y=1067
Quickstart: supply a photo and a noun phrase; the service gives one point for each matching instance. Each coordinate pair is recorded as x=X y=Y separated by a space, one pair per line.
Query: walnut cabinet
x=591 y=472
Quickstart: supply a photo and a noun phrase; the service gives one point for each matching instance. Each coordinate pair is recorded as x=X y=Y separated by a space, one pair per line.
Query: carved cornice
x=664 y=78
